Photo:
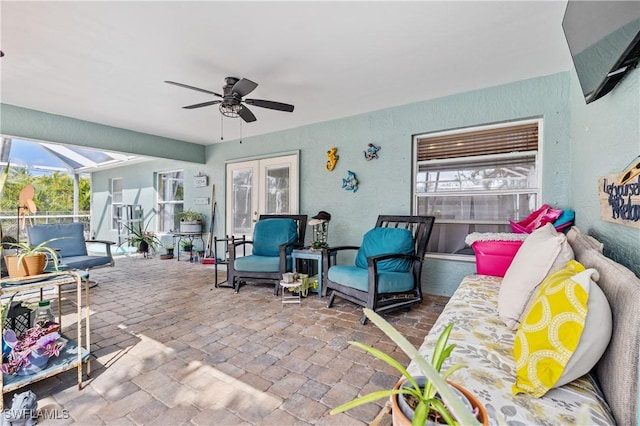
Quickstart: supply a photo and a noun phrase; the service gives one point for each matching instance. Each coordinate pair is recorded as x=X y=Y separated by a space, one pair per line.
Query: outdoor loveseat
x=70 y=245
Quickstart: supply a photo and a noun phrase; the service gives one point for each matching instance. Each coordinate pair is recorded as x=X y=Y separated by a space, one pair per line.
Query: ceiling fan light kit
x=232 y=104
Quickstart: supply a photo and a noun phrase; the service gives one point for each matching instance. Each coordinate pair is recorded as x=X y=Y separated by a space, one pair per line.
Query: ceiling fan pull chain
x=240 y=131
x=221 y=128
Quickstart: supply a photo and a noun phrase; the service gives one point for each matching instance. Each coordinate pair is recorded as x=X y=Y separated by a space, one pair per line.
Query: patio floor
x=171 y=349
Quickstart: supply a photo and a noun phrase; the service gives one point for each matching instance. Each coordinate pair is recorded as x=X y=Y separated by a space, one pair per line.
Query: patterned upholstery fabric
x=617 y=370
x=485 y=345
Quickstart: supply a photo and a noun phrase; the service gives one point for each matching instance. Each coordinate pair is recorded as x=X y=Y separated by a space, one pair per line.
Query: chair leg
x=364 y=320
x=236 y=286
x=276 y=289
x=331 y=297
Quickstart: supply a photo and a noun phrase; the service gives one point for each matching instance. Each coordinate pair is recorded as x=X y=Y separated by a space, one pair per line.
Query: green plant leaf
x=371 y=397
x=456 y=407
x=389 y=360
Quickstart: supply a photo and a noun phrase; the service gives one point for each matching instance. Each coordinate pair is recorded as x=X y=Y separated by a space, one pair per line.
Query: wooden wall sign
x=620 y=203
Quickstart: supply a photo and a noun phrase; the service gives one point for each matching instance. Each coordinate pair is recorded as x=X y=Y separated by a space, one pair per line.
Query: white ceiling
x=106 y=61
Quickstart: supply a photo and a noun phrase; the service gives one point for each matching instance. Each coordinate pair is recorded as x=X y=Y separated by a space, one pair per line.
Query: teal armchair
x=388 y=265
x=274 y=237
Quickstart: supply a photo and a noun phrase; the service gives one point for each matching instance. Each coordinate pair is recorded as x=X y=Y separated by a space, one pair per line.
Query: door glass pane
x=277 y=190
x=241 y=212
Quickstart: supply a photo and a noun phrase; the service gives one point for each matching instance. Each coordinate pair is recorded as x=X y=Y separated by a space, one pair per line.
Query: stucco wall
x=605 y=137
x=580 y=143
x=385 y=184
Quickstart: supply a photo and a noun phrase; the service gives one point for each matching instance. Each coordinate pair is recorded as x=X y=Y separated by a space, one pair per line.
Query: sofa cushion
x=270 y=234
x=563 y=333
x=617 y=370
x=485 y=346
x=71 y=242
x=255 y=263
x=85 y=262
x=383 y=241
x=543 y=252
x=358 y=278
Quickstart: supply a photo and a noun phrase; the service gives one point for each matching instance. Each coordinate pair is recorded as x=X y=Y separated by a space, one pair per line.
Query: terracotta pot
x=400 y=419
x=36 y=263
x=30 y=265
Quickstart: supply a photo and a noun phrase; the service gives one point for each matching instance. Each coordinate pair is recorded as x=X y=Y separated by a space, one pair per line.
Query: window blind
x=521 y=137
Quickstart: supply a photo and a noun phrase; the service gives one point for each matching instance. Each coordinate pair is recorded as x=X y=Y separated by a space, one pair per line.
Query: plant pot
x=30 y=265
x=143 y=247
x=399 y=418
x=191 y=226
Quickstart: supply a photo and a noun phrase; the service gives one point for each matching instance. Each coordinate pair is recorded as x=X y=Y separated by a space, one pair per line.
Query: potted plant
x=435 y=399
x=187 y=246
x=30 y=260
x=190 y=221
x=142 y=238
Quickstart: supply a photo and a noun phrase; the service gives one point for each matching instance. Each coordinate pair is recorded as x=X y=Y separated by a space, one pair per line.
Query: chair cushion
x=85 y=262
x=71 y=242
x=383 y=241
x=270 y=234
x=358 y=278
x=255 y=263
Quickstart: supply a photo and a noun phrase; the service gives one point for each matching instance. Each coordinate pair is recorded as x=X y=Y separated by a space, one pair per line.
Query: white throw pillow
x=543 y=252
x=596 y=333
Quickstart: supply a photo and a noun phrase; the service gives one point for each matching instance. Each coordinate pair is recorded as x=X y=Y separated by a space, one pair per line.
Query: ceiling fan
x=232 y=105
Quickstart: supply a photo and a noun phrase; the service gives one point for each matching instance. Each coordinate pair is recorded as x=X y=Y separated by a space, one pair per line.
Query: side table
x=310 y=255
x=293 y=296
x=186 y=236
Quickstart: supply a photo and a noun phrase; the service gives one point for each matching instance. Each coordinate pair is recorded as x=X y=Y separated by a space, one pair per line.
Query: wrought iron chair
x=388 y=265
x=274 y=237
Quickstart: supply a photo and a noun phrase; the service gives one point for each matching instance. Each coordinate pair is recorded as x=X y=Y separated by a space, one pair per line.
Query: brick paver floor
x=169 y=349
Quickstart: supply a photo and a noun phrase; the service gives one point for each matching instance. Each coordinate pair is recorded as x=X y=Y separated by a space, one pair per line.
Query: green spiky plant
x=24 y=250
x=436 y=395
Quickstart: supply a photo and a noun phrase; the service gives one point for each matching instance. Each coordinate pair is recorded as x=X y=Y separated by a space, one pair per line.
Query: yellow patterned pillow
x=550 y=331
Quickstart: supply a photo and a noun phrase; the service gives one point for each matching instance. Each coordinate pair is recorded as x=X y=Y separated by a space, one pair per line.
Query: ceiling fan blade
x=246 y=114
x=203 y=104
x=244 y=87
x=186 y=86
x=270 y=104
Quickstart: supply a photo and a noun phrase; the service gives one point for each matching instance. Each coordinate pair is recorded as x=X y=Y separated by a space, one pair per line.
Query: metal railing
x=11 y=221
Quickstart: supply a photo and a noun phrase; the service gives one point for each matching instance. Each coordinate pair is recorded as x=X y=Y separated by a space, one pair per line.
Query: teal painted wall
x=580 y=143
x=385 y=184
x=30 y=124
x=605 y=137
x=139 y=187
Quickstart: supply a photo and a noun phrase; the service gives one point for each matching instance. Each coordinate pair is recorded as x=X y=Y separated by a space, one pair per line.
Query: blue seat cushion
x=358 y=278
x=255 y=263
x=84 y=262
x=71 y=242
x=270 y=234
x=383 y=241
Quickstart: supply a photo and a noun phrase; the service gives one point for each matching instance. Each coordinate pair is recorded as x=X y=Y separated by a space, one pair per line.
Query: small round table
x=291 y=296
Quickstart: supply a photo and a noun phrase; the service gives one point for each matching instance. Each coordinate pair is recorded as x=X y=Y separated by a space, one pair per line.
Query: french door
x=265 y=186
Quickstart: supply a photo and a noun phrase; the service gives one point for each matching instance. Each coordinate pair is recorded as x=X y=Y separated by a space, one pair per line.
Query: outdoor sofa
x=485 y=344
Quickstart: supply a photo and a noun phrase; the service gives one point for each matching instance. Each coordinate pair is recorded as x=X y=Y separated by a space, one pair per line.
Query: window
x=116 y=203
x=170 y=200
x=476 y=180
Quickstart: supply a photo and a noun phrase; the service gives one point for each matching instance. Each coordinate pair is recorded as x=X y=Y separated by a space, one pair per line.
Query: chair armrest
x=232 y=248
x=373 y=260
x=107 y=246
x=100 y=241
x=333 y=250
